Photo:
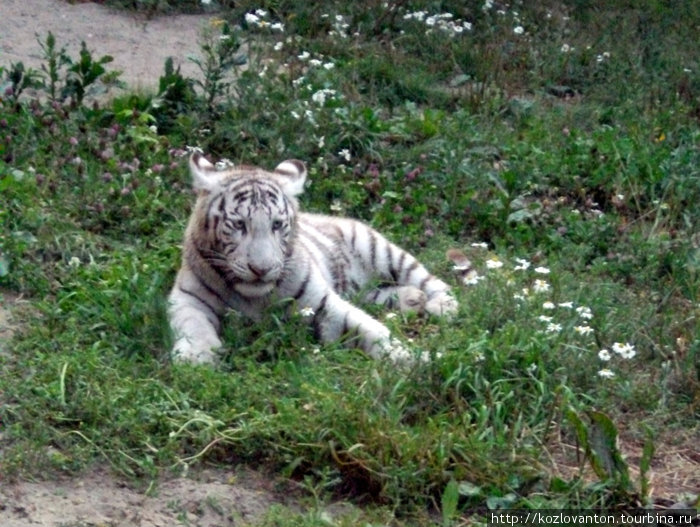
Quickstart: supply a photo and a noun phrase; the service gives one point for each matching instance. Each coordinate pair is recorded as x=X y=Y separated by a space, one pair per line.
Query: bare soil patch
x=138 y=45
x=212 y=498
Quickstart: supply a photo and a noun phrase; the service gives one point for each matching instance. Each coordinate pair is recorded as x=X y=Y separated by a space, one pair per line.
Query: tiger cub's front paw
x=443 y=305
x=403 y=357
x=186 y=351
x=411 y=300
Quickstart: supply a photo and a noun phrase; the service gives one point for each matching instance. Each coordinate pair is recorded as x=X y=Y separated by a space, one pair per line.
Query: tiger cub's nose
x=259 y=270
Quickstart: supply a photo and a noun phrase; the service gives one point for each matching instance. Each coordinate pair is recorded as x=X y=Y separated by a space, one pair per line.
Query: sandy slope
x=139 y=46
x=212 y=499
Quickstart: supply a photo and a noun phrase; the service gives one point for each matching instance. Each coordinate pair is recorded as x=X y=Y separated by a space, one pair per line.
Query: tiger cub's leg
x=333 y=317
x=390 y=262
x=194 y=320
x=338 y=317
x=407 y=298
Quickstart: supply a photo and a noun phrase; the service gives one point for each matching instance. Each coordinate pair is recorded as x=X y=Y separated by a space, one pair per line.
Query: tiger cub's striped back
x=247 y=245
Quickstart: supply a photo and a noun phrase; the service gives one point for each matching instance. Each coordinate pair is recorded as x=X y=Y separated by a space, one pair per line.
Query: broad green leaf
x=4 y=265
x=450 y=498
x=606 y=458
x=645 y=463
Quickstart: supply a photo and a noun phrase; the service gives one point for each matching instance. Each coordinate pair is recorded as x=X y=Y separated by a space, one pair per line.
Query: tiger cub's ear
x=205 y=176
x=291 y=175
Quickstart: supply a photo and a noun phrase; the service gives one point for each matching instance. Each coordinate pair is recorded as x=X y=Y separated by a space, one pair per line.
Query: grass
x=562 y=142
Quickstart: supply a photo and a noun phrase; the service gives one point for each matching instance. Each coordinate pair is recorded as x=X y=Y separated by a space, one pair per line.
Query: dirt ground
x=138 y=45
x=212 y=498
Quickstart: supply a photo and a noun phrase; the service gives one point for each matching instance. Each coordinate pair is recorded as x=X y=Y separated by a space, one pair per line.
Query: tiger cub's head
x=243 y=224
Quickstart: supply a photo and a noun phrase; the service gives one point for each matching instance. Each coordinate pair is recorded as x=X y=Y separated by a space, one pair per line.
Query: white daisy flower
x=584 y=312
x=252 y=19
x=472 y=278
x=606 y=373
x=306 y=312
x=553 y=327
x=540 y=286
x=494 y=263
x=626 y=350
x=321 y=95
x=523 y=265
x=583 y=330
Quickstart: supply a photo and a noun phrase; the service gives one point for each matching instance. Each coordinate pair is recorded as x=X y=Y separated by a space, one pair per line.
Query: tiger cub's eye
x=277 y=225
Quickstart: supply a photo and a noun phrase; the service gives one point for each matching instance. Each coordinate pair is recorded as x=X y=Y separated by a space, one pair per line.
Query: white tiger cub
x=247 y=244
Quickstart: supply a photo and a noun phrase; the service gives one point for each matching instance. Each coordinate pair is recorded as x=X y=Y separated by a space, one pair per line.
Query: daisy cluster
x=443 y=22
x=313 y=98
x=305 y=56
x=551 y=320
x=318 y=99
x=490 y=6
x=599 y=58
x=339 y=24
x=259 y=19
x=518 y=26
x=623 y=350
x=311 y=63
